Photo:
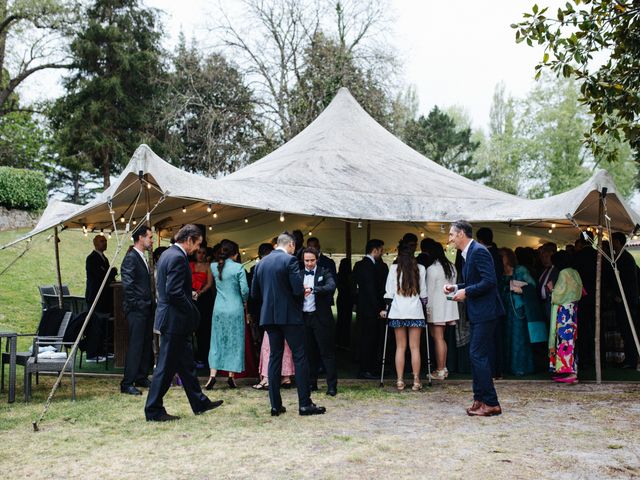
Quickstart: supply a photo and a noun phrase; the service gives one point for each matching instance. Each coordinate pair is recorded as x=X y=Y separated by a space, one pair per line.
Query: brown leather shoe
x=476 y=405
x=486 y=411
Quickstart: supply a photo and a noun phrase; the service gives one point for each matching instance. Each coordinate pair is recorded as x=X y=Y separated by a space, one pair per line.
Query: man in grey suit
x=138 y=307
x=278 y=285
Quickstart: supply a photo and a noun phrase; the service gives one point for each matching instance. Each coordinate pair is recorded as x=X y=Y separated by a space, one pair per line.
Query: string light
x=101 y=232
x=210 y=227
x=109 y=236
x=550 y=230
x=86 y=234
x=359 y=225
x=518 y=232
x=442 y=228
x=310 y=233
x=215 y=214
x=422 y=234
x=282 y=216
x=209 y=208
x=553 y=225
x=135 y=222
x=246 y=220
x=184 y=209
x=244 y=252
x=122 y=220
x=148 y=186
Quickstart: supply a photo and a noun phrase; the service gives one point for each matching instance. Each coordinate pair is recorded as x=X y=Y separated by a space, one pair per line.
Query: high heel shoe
x=231 y=382
x=417 y=384
x=399 y=385
x=210 y=383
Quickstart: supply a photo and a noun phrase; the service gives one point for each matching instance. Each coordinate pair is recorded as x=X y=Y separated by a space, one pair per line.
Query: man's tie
x=307 y=272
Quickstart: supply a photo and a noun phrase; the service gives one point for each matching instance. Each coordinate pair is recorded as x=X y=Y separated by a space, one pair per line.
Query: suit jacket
x=278 y=285
x=369 y=281
x=328 y=264
x=136 y=283
x=97 y=267
x=176 y=312
x=481 y=285
x=324 y=286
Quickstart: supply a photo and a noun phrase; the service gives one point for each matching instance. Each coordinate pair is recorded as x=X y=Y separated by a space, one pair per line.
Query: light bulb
x=135 y=222
x=422 y=234
x=184 y=209
x=282 y=216
x=215 y=215
x=359 y=224
x=246 y=220
x=550 y=230
x=518 y=232
x=148 y=186
x=310 y=233
x=122 y=220
x=209 y=208
x=553 y=225
x=210 y=227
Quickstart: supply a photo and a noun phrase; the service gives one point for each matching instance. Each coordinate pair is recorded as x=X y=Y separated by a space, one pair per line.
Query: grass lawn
x=547 y=430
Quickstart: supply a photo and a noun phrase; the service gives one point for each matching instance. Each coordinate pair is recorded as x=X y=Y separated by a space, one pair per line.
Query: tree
x=34 y=32
x=110 y=102
x=273 y=42
x=329 y=65
x=208 y=113
x=24 y=141
x=595 y=42
x=439 y=138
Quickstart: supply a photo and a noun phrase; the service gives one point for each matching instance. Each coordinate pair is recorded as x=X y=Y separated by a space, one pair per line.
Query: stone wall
x=12 y=219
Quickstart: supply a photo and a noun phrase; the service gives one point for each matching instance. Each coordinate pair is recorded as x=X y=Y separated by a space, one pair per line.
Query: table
x=12 y=339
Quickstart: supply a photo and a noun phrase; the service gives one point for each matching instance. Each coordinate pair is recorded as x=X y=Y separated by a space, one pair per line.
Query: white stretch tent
x=343 y=168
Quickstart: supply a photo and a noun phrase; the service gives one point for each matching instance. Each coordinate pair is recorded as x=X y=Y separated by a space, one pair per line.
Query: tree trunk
x=3 y=34
x=106 y=174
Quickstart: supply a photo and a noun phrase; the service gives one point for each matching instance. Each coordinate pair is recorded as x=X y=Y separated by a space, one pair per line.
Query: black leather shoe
x=144 y=383
x=368 y=376
x=312 y=409
x=164 y=417
x=210 y=383
x=130 y=390
x=278 y=411
x=210 y=406
x=313 y=387
x=231 y=382
x=332 y=392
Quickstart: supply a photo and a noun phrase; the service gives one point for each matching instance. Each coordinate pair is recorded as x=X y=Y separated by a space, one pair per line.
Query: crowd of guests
x=548 y=297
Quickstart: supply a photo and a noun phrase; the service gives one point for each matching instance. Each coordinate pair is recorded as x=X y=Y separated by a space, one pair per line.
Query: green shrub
x=23 y=189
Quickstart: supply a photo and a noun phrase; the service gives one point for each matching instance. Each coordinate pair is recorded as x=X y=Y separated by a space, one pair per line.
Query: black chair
x=50 y=325
x=37 y=363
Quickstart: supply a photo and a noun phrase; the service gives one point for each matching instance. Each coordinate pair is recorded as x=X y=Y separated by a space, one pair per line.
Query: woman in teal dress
x=521 y=306
x=227 y=328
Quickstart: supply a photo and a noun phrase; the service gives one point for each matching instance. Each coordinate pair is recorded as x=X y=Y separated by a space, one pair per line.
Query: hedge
x=23 y=189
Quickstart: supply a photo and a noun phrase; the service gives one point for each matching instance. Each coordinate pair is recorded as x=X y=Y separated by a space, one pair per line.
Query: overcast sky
x=454 y=52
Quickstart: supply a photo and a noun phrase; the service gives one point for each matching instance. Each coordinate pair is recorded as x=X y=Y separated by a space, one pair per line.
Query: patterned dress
x=564 y=322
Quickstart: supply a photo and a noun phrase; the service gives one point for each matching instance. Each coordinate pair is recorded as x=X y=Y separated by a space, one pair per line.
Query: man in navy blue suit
x=177 y=317
x=278 y=285
x=479 y=291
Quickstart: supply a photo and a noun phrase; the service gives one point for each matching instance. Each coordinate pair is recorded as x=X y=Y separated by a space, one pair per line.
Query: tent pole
x=347 y=240
x=56 y=240
x=598 y=295
x=155 y=344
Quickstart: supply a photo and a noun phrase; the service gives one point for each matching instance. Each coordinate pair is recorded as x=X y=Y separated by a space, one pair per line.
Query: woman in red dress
x=202 y=285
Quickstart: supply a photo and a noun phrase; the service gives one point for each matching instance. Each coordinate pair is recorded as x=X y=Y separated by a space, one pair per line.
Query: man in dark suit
x=369 y=279
x=138 y=307
x=319 y=287
x=97 y=267
x=278 y=285
x=177 y=318
x=480 y=293
x=629 y=278
x=323 y=261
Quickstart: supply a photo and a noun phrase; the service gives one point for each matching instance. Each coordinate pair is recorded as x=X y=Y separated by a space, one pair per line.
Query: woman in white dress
x=440 y=311
x=407 y=289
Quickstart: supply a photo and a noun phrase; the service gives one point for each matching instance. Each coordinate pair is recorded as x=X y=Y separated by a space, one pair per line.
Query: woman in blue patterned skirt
x=407 y=288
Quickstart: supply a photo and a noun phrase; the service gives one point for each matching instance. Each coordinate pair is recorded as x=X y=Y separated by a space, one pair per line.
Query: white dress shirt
x=466 y=250
x=309 y=304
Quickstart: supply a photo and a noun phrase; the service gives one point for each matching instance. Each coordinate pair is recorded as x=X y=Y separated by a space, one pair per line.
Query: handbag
x=537 y=332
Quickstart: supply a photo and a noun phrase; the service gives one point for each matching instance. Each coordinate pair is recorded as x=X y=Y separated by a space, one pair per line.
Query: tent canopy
x=343 y=168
